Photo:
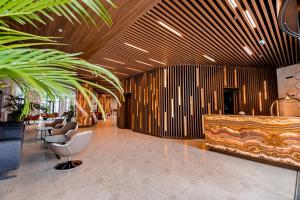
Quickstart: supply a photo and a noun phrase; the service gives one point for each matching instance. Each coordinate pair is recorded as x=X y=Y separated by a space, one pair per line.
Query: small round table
x=42 y=130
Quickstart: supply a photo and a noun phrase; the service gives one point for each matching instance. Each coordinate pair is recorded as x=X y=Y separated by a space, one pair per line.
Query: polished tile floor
x=121 y=164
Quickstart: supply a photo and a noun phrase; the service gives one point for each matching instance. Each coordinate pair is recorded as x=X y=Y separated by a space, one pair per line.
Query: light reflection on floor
x=121 y=164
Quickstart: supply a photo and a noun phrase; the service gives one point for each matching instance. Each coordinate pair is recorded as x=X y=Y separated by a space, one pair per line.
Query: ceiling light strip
x=136 y=47
x=121 y=73
x=170 y=29
x=248 y=50
x=209 y=58
x=249 y=19
x=107 y=67
x=232 y=3
x=157 y=61
x=114 y=61
x=133 y=69
x=143 y=63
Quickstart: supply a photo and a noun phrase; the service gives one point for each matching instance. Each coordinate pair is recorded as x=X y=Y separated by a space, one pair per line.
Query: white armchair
x=72 y=147
x=63 y=134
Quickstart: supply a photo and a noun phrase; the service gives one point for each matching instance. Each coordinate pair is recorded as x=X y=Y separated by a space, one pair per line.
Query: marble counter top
x=275 y=139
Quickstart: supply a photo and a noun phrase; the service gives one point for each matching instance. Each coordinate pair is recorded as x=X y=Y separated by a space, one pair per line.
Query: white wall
x=288 y=79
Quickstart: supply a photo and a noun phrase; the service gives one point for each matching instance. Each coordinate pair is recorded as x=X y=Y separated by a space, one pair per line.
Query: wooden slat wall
x=169 y=102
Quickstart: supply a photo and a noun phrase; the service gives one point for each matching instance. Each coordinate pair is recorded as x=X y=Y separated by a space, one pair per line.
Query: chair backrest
x=57 y=121
x=70 y=126
x=79 y=142
x=74 y=146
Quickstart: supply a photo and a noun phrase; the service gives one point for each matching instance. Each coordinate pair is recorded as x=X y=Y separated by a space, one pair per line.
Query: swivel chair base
x=68 y=165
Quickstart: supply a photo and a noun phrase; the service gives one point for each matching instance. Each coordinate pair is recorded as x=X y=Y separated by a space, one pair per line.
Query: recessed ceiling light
x=143 y=63
x=133 y=69
x=107 y=67
x=114 y=61
x=249 y=19
x=233 y=4
x=262 y=42
x=136 y=47
x=209 y=58
x=157 y=61
x=248 y=50
x=121 y=73
x=169 y=28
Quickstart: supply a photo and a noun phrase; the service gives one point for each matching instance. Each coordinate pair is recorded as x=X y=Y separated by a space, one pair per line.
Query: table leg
x=37 y=133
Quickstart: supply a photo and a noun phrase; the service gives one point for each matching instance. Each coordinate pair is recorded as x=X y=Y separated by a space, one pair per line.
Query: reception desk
x=275 y=139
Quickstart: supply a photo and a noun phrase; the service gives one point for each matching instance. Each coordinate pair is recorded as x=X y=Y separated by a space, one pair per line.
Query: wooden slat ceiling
x=87 y=39
x=208 y=27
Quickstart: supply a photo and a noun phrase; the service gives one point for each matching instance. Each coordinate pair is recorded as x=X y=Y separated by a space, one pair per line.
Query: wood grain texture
x=270 y=138
x=208 y=27
x=182 y=103
x=83 y=109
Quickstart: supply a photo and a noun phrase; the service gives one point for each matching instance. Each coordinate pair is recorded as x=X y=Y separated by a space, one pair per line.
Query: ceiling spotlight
x=262 y=42
x=133 y=69
x=136 y=47
x=123 y=74
x=249 y=19
x=157 y=61
x=209 y=58
x=248 y=50
x=169 y=28
x=143 y=63
x=232 y=3
x=114 y=61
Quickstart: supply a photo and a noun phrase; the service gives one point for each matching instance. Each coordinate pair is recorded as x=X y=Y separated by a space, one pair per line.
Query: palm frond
x=51 y=72
x=32 y=11
x=47 y=71
x=10 y=38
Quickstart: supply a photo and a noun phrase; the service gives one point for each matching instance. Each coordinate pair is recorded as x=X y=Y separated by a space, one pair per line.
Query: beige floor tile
x=123 y=165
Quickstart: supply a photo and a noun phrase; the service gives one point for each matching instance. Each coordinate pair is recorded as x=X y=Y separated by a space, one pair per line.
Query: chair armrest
x=70 y=133
x=58 y=126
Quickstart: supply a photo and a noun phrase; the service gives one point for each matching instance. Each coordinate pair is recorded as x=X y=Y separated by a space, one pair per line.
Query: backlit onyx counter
x=275 y=139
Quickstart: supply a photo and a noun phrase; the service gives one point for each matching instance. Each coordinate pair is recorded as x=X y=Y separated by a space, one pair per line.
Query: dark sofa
x=11 y=139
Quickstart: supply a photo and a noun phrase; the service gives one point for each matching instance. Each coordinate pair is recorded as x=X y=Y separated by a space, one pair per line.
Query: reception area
x=150 y=99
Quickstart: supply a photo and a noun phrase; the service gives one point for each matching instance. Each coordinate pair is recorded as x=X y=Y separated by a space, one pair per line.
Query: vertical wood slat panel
x=170 y=101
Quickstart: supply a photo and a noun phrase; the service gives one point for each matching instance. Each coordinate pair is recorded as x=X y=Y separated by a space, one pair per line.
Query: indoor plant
x=50 y=72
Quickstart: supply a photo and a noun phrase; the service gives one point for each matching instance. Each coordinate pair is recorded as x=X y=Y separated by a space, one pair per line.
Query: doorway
x=231 y=101
x=127 y=115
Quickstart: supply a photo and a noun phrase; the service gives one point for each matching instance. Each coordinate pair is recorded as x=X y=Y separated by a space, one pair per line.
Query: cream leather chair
x=63 y=134
x=72 y=147
x=68 y=126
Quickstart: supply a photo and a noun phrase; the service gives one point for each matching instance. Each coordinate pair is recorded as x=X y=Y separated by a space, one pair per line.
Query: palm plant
x=50 y=72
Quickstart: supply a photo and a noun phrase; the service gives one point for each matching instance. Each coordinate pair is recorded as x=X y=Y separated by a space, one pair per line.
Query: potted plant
x=14 y=107
x=46 y=109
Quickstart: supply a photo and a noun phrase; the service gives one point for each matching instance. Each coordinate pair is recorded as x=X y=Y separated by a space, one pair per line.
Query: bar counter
x=275 y=139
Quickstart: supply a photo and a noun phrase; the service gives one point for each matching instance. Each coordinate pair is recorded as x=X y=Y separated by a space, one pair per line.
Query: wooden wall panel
x=170 y=101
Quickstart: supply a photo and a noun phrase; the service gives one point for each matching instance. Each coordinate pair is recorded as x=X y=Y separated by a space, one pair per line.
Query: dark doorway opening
x=127 y=111
x=230 y=101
